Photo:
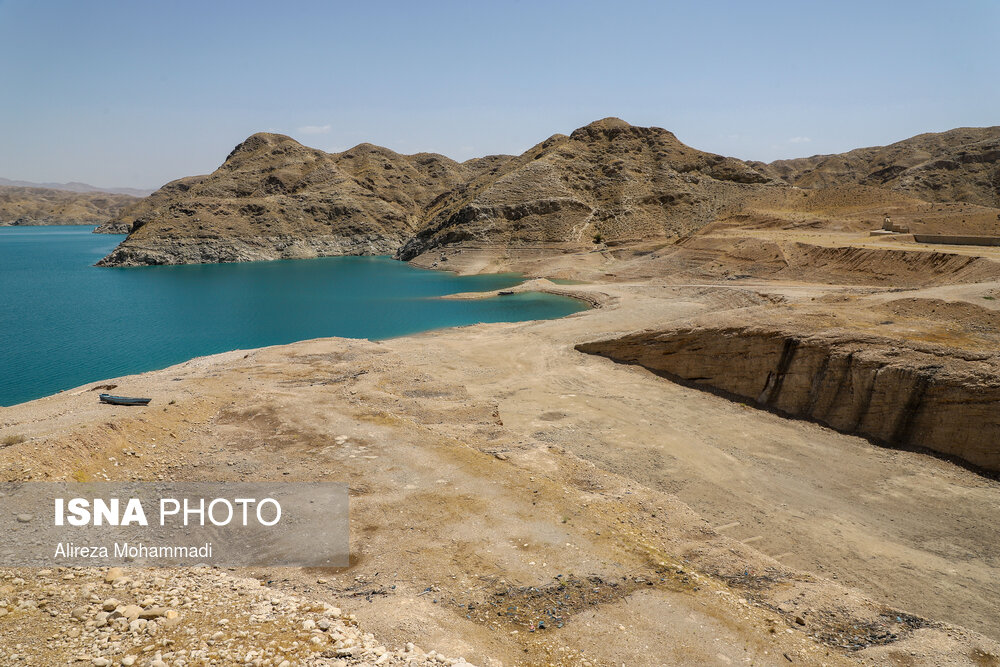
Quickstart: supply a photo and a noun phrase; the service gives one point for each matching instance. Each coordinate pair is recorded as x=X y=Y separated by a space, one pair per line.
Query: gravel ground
x=178 y=618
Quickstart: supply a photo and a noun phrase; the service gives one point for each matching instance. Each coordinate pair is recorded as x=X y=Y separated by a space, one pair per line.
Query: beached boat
x=123 y=400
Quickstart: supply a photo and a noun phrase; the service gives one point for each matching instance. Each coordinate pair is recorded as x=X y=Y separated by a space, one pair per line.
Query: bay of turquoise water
x=65 y=322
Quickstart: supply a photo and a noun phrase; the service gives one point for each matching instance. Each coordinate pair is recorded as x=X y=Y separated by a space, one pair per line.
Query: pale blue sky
x=138 y=93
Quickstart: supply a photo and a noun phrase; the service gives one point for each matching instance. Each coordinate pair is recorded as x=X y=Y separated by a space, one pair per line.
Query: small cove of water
x=65 y=322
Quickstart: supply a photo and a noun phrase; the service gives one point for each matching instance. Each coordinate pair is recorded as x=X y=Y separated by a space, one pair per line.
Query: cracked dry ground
x=516 y=501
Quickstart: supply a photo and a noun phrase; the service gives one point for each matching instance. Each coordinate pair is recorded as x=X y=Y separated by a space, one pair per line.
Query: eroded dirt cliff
x=894 y=392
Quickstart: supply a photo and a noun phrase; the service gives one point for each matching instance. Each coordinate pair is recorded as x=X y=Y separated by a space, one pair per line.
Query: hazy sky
x=138 y=93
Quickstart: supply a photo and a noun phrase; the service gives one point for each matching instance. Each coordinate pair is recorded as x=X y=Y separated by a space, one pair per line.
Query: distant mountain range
x=49 y=206
x=77 y=187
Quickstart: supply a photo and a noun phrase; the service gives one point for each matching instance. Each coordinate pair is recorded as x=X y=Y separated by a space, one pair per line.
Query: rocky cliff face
x=959 y=165
x=274 y=198
x=43 y=206
x=608 y=181
x=894 y=392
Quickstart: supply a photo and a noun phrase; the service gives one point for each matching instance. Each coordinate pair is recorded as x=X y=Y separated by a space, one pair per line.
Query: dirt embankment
x=902 y=395
x=732 y=257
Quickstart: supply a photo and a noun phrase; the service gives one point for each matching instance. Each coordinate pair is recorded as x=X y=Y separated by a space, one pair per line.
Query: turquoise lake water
x=65 y=322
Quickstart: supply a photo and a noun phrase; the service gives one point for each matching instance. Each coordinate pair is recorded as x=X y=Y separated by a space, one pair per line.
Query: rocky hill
x=43 y=206
x=961 y=165
x=274 y=198
x=607 y=181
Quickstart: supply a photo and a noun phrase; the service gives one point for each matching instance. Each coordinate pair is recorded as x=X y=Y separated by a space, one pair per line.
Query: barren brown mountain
x=607 y=181
x=958 y=165
x=43 y=206
x=274 y=198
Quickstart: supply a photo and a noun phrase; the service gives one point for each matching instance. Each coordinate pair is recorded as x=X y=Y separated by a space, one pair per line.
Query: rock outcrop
x=274 y=198
x=958 y=165
x=608 y=181
x=894 y=392
x=43 y=206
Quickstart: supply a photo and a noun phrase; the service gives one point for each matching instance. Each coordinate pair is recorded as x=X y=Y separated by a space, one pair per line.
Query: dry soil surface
x=515 y=501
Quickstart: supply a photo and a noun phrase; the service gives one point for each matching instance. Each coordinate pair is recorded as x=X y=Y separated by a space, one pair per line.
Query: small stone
x=79 y=613
x=110 y=604
x=24 y=518
x=152 y=612
x=308 y=624
x=131 y=612
x=113 y=573
x=323 y=624
x=100 y=662
x=128 y=661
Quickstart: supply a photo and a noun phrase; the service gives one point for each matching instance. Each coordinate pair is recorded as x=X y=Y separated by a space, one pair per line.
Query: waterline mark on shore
x=49 y=524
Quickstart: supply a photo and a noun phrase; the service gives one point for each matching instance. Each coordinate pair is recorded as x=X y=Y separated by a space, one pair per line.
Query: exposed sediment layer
x=259 y=248
x=891 y=392
x=730 y=256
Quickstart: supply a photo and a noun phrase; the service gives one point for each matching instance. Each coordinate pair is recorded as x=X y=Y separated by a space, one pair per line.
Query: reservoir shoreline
x=67 y=322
